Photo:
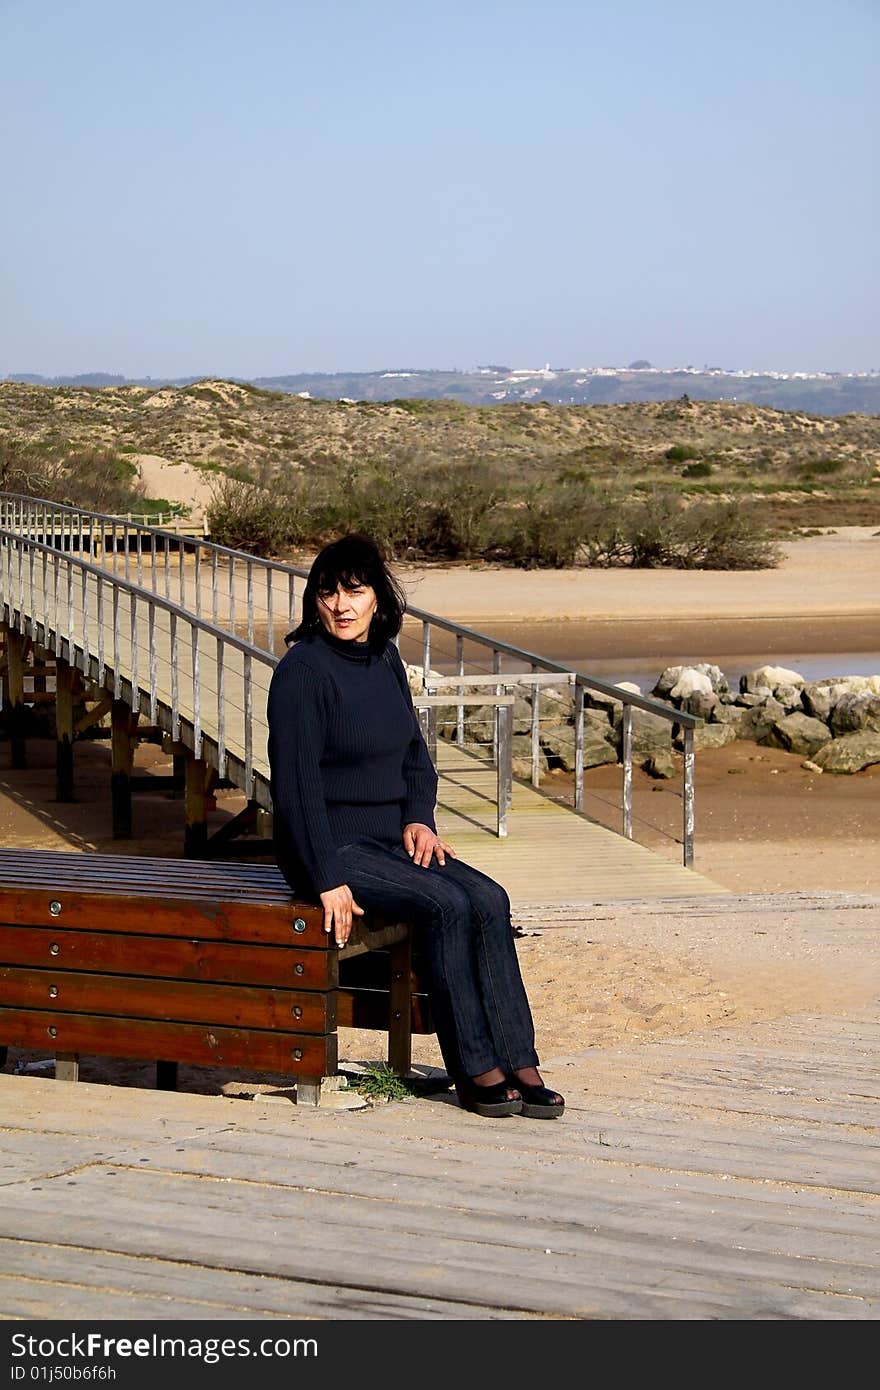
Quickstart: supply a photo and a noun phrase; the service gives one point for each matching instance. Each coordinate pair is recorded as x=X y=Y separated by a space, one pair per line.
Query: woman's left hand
x=421 y=844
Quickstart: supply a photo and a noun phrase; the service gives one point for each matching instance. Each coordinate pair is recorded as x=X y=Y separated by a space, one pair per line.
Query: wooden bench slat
x=143 y=874
x=161 y=914
x=225 y=962
x=233 y=1006
x=199 y=1045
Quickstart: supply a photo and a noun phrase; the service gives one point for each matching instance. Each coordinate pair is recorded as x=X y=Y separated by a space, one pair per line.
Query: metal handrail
x=279 y=583
x=427 y=707
x=99 y=643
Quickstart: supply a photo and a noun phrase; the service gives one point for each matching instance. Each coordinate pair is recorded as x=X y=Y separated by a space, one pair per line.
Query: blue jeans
x=462 y=918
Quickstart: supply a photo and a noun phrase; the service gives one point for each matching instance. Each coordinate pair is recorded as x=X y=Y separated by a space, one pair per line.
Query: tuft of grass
x=378 y=1082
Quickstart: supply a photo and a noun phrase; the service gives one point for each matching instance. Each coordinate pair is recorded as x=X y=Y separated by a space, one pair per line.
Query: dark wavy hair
x=351 y=560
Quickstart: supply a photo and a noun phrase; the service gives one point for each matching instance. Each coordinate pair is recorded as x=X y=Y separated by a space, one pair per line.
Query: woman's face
x=347 y=612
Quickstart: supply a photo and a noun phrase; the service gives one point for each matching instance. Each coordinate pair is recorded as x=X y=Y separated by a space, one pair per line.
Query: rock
x=651 y=734
x=671 y=676
x=769 y=677
x=690 y=682
x=595 y=699
x=856 y=711
x=521 y=759
x=701 y=704
x=479 y=723
x=660 y=765
x=789 y=696
x=820 y=697
x=750 y=700
x=713 y=736
x=597 y=750
x=809 y=766
x=599 y=746
x=522 y=715
x=728 y=714
x=759 y=720
x=556 y=707
x=798 y=733
x=850 y=753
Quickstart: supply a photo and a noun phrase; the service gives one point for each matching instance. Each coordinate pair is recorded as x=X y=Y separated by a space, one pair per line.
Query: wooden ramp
x=552 y=854
x=213 y=696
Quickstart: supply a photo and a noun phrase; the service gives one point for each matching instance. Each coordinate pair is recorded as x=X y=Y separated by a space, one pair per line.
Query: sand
x=764 y=823
x=837 y=573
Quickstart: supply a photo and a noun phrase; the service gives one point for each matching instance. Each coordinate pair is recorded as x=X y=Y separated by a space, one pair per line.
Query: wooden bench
x=214 y=964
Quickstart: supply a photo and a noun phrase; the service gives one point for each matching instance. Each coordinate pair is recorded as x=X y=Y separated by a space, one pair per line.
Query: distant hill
x=802 y=467
x=827 y=393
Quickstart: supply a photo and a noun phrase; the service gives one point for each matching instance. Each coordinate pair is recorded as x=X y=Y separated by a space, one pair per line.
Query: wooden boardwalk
x=551 y=853
x=726 y=1174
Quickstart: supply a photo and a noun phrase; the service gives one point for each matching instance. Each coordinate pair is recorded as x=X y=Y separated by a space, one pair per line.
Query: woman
x=354 y=791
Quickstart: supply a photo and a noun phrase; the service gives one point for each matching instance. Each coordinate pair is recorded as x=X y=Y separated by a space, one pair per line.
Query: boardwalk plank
x=473 y=1256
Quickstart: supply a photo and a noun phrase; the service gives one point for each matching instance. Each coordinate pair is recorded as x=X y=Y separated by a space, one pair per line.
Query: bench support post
x=67 y=1066
x=400 y=1007
x=308 y=1090
x=65 y=677
x=166 y=1076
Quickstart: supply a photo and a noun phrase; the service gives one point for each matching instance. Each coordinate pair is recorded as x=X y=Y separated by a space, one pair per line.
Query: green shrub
x=822 y=468
x=680 y=453
x=245 y=516
x=701 y=469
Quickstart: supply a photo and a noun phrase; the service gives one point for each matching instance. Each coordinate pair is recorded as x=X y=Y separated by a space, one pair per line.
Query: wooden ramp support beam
x=16 y=656
x=195 y=835
x=65 y=684
x=122 y=725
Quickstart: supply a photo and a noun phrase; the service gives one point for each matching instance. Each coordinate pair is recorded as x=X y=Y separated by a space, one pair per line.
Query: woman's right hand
x=339 y=905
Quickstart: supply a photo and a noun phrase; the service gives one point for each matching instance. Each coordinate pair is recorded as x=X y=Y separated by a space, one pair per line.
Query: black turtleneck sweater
x=346 y=754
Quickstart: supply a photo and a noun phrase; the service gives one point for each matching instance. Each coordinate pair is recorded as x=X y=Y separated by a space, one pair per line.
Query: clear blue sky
x=201 y=186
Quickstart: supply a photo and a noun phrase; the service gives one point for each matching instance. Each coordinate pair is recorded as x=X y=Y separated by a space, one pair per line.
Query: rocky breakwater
x=833 y=724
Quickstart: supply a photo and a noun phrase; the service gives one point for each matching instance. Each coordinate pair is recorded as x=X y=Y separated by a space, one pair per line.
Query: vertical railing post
x=426 y=651
x=175 y=680
x=536 y=730
x=459 y=711
x=117 y=655
x=154 y=662
x=496 y=668
x=291 y=601
x=215 y=587
x=196 y=693
x=627 y=772
x=504 y=733
x=689 y=798
x=221 y=710
x=100 y=621
x=248 y=726
x=578 y=746
x=197 y=568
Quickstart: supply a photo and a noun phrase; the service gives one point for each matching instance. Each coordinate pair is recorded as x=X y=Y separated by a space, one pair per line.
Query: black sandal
x=489 y=1101
x=538 y=1102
